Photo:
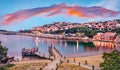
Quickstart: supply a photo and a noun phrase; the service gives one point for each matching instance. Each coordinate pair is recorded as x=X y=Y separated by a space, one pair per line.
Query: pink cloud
x=78 y=11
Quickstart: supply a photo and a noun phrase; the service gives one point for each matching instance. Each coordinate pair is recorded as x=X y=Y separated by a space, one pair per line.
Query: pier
x=55 y=63
x=59 y=58
x=56 y=57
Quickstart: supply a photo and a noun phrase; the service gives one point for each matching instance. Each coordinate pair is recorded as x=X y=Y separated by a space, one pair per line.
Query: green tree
x=111 y=61
x=3 y=52
x=117 y=30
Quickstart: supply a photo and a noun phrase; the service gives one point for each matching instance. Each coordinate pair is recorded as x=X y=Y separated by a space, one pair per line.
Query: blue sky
x=11 y=6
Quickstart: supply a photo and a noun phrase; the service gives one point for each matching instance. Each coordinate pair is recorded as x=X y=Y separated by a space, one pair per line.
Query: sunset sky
x=25 y=14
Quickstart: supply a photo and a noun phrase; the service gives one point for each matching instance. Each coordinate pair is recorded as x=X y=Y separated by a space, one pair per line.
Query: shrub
x=111 y=61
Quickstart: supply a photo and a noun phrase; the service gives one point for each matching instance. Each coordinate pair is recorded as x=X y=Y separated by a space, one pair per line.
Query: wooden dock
x=55 y=63
x=57 y=58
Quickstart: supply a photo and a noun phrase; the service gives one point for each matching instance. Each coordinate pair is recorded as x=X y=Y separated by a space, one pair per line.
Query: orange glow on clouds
x=73 y=12
x=78 y=11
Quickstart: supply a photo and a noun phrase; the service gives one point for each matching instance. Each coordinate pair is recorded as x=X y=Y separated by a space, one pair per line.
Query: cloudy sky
x=25 y=14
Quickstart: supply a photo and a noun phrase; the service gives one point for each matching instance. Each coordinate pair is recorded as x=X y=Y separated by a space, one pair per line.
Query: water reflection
x=107 y=45
x=36 y=40
x=69 y=48
x=77 y=45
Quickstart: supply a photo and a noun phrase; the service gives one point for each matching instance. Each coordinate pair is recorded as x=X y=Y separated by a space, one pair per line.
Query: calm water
x=69 y=48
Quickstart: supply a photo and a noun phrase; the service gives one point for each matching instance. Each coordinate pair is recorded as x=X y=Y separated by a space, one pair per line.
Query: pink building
x=108 y=36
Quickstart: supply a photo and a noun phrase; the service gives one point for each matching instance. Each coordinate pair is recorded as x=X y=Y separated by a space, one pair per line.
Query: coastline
x=91 y=59
x=57 y=36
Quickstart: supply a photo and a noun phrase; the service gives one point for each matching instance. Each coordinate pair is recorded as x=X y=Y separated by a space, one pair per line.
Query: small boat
x=29 y=51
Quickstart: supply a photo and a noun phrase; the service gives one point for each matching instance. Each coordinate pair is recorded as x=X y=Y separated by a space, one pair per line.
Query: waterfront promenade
x=54 y=64
x=56 y=36
x=62 y=37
